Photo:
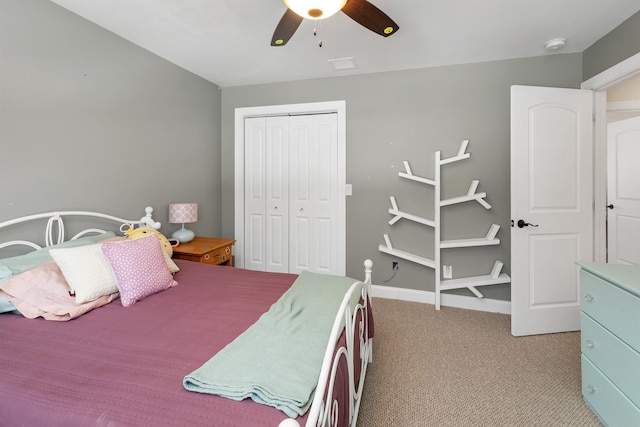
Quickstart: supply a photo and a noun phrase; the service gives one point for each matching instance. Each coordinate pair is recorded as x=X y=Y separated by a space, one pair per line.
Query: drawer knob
x=589 y=343
x=588 y=297
x=591 y=389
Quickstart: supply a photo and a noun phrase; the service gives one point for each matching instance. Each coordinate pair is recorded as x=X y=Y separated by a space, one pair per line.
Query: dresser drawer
x=612 y=307
x=605 y=399
x=619 y=362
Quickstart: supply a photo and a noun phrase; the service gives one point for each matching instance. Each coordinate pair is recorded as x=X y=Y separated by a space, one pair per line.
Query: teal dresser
x=610 y=323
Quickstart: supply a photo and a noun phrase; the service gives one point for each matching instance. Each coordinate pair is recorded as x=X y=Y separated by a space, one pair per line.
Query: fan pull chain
x=315 y=31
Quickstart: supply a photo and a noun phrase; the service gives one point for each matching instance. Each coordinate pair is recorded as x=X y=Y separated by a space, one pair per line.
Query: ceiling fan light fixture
x=315 y=9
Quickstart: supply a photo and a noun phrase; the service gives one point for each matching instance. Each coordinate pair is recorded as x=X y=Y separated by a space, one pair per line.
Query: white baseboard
x=428 y=297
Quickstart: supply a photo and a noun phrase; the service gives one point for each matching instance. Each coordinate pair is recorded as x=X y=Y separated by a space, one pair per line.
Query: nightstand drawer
x=605 y=399
x=218 y=256
x=612 y=307
x=613 y=357
x=207 y=250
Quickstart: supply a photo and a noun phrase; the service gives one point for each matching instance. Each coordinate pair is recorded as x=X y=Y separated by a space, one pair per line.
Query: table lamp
x=182 y=213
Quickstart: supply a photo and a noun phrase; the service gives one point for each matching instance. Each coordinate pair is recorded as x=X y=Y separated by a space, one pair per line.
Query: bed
x=206 y=348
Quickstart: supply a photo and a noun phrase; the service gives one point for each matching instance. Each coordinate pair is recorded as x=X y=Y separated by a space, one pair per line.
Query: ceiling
x=227 y=41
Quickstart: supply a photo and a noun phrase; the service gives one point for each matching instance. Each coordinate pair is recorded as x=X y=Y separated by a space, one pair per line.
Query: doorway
x=242 y=114
x=600 y=84
x=623 y=189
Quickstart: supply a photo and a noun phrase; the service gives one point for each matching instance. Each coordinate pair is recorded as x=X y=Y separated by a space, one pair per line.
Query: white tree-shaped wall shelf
x=471 y=283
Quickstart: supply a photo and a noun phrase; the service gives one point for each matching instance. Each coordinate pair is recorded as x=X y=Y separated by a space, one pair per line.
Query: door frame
x=338 y=107
x=599 y=84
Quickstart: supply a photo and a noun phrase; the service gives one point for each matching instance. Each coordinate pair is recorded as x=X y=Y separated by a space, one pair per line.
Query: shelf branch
x=388 y=248
x=489 y=239
x=399 y=215
x=497 y=268
x=460 y=156
x=471 y=195
x=496 y=277
x=409 y=175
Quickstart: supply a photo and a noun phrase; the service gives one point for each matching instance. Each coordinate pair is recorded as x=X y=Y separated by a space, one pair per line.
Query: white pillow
x=87 y=270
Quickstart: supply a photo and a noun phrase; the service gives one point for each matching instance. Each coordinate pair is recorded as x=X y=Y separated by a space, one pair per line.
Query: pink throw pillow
x=139 y=267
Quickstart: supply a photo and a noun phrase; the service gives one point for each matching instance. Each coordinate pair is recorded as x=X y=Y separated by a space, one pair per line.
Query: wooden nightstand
x=208 y=250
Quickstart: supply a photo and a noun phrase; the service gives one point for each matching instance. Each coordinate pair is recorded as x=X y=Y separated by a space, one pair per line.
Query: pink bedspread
x=118 y=366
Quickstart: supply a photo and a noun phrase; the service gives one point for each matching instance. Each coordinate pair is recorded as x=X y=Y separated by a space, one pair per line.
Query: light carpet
x=460 y=368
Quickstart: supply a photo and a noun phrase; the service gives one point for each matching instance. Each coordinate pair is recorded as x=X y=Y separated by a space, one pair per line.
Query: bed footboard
x=337 y=396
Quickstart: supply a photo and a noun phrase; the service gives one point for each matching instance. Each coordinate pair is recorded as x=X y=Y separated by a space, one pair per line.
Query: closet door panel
x=300 y=195
x=254 y=190
x=325 y=250
x=313 y=146
x=277 y=194
x=301 y=257
x=255 y=249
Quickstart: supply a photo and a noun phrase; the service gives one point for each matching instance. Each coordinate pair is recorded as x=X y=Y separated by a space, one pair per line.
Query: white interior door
x=243 y=173
x=277 y=194
x=314 y=203
x=254 y=219
x=623 y=191
x=551 y=206
x=292 y=194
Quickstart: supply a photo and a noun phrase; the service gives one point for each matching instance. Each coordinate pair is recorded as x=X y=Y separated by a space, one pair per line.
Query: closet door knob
x=301 y=210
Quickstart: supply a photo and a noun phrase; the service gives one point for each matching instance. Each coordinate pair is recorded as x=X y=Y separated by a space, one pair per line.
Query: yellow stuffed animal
x=167 y=249
x=136 y=233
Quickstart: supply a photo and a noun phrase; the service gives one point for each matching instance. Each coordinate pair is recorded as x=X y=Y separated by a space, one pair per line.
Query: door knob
x=522 y=224
x=610 y=206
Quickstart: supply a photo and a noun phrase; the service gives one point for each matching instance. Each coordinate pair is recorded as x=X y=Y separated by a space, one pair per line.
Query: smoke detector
x=555 y=44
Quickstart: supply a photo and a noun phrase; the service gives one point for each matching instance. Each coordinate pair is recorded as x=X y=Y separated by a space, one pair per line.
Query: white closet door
x=277 y=194
x=267 y=194
x=313 y=166
x=255 y=194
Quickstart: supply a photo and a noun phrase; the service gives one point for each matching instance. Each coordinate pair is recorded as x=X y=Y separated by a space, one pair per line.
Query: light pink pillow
x=43 y=291
x=139 y=267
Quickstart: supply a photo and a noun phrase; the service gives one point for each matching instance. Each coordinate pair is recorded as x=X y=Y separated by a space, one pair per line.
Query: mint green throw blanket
x=277 y=360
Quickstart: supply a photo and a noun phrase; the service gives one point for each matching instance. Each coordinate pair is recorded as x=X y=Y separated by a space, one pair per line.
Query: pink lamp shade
x=182 y=213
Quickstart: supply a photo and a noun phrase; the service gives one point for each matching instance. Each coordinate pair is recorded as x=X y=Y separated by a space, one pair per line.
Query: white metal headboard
x=55 y=226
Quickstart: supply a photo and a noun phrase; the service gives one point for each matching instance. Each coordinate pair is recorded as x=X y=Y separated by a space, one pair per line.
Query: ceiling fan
x=361 y=11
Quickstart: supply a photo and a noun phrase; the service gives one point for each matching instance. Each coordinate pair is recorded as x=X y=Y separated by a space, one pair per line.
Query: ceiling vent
x=343 y=63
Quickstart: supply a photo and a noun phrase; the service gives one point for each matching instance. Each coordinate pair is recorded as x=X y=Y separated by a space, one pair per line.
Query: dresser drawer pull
x=591 y=389
x=589 y=343
x=588 y=297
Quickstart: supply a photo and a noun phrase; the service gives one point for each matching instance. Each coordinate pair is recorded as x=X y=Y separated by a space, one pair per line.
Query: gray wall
x=91 y=121
x=620 y=44
x=78 y=101
x=409 y=115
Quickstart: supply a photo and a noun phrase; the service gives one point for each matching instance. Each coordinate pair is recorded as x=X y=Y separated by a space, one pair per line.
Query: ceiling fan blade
x=369 y=16
x=287 y=26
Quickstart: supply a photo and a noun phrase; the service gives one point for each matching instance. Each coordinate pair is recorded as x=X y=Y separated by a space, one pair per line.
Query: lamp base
x=183 y=235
